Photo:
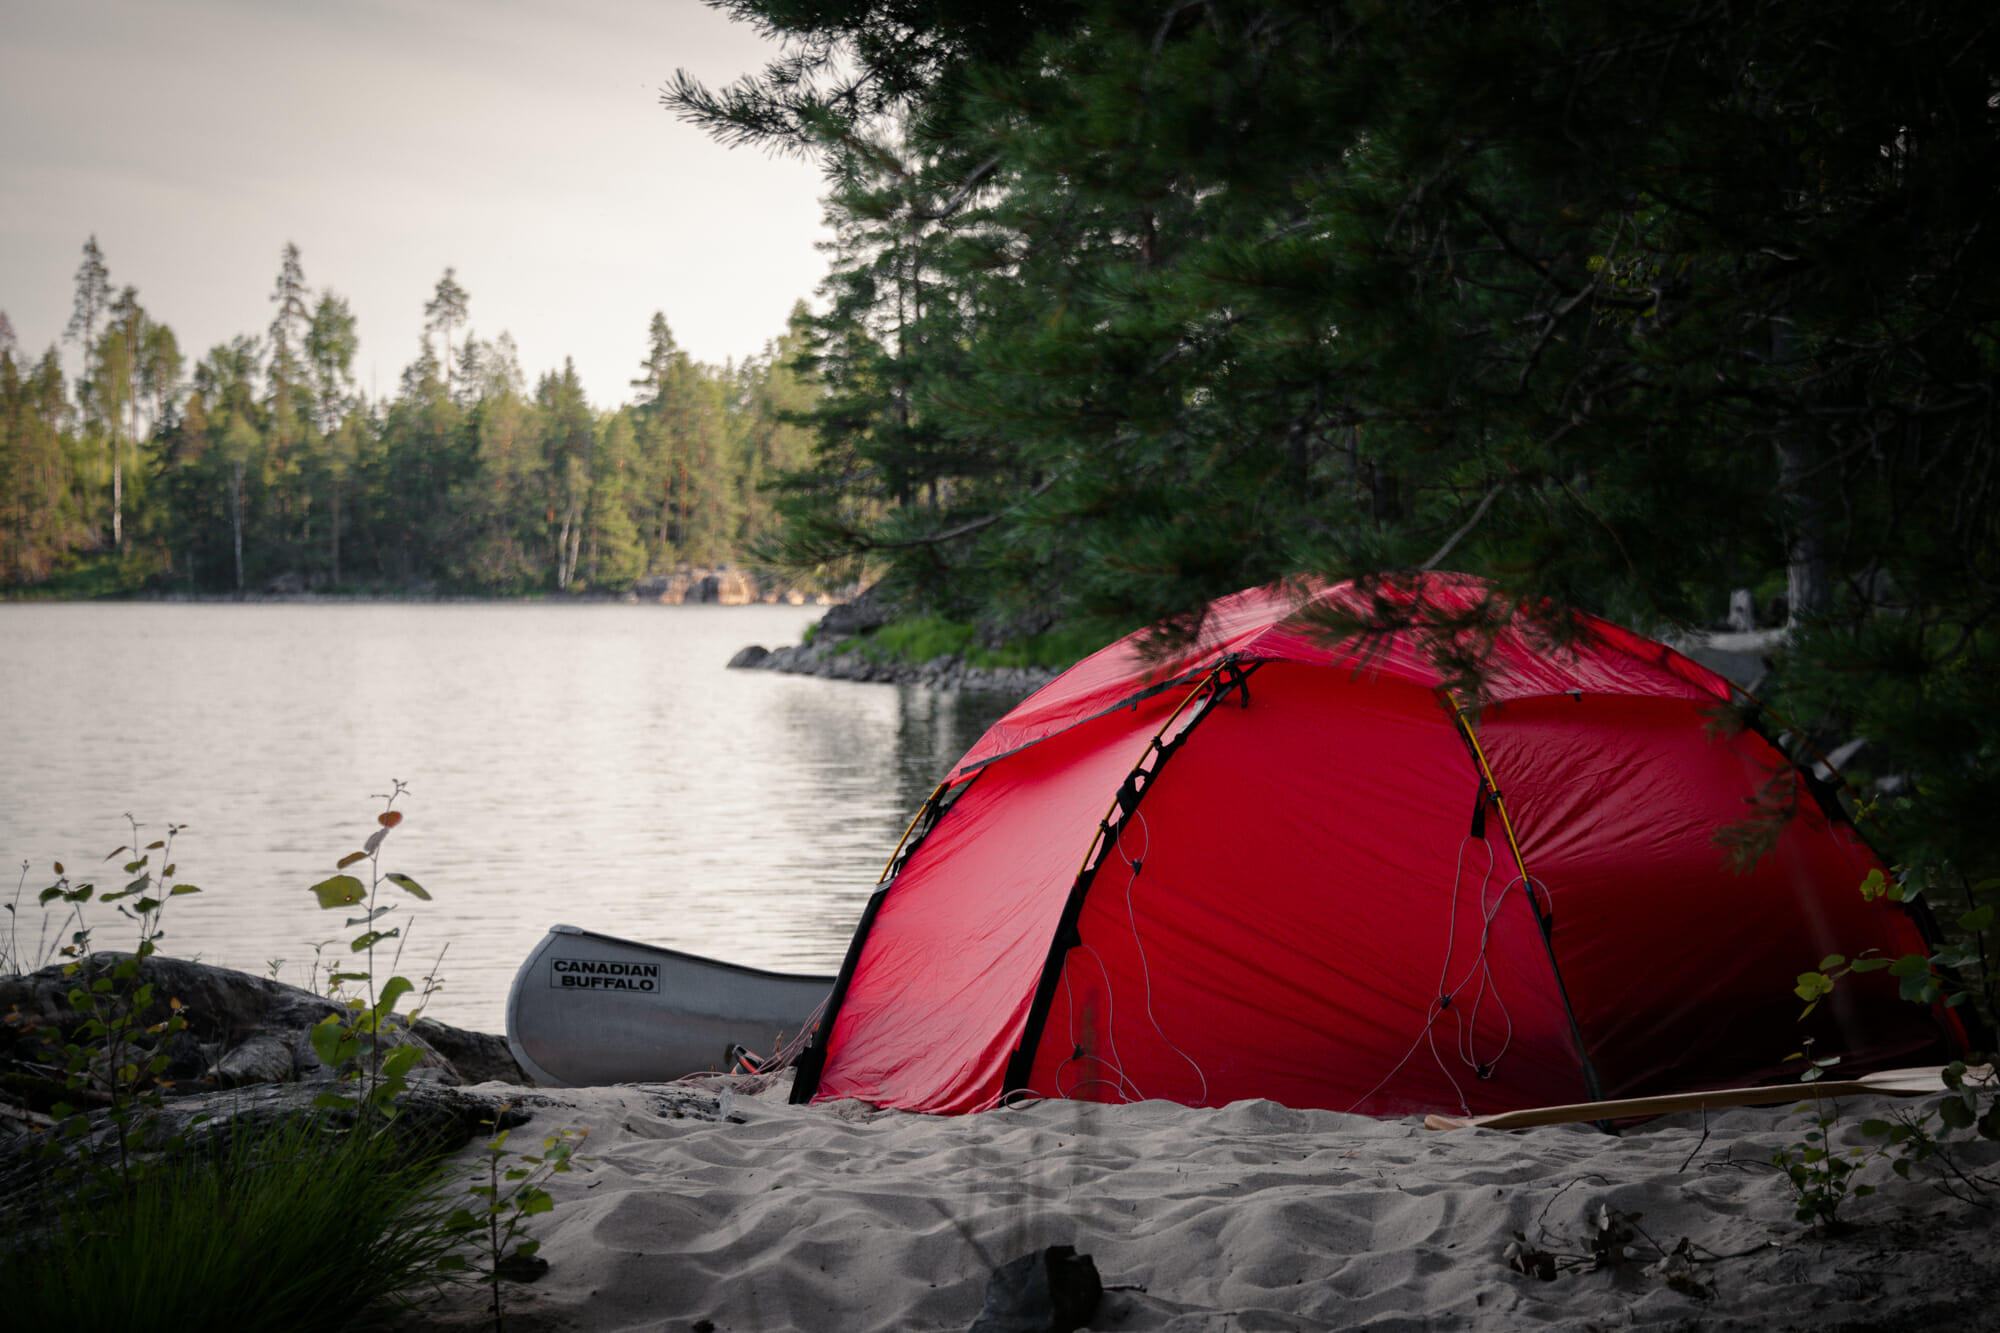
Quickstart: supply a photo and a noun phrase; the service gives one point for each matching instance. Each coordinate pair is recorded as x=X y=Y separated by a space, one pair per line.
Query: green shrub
x=1060 y=648
x=293 y=1227
x=918 y=639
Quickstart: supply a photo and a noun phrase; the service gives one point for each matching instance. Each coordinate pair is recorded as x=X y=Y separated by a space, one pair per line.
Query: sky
x=520 y=142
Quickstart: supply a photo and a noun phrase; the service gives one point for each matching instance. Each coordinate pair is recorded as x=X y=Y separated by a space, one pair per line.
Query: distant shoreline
x=414 y=599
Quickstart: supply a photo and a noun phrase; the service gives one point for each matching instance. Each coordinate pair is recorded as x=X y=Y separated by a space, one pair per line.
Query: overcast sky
x=520 y=141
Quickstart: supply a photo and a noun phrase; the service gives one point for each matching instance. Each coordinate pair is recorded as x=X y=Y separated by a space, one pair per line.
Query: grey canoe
x=588 y=1009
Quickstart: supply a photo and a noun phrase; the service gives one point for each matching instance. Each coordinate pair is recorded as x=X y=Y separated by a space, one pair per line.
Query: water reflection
x=591 y=764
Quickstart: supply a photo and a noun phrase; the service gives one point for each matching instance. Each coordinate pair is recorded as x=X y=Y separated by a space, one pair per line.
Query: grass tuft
x=292 y=1227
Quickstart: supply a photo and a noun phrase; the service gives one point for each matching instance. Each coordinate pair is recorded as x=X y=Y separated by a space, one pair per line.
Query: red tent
x=1283 y=866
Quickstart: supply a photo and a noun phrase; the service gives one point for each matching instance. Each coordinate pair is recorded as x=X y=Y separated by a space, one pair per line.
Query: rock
x=241 y=1029
x=865 y=613
x=264 y=1058
x=429 y=1120
x=734 y=587
x=751 y=656
x=1055 y=1290
x=1742 y=611
x=477 y=1057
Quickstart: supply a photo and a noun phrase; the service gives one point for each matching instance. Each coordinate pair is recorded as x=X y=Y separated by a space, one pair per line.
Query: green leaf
x=392 y=990
x=1876 y=1129
x=1869 y=964
x=408 y=885
x=533 y=1201
x=1956 y=1114
x=179 y=889
x=131 y=867
x=1977 y=919
x=1831 y=961
x=327 y=1035
x=349 y=860
x=461 y=1220
x=399 y=1062
x=1909 y=965
x=370 y=939
x=340 y=891
x=50 y=894
x=526 y=1249
x=333 y=1101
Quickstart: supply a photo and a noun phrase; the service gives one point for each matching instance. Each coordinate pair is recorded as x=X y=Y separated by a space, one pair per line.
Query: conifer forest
x=259 y=464
x=1623 y=304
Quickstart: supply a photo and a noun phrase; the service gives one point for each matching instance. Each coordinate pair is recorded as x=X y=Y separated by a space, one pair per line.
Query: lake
x=585 y=763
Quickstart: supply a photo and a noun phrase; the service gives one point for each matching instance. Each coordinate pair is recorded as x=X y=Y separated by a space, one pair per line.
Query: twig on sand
x=1698 y=1146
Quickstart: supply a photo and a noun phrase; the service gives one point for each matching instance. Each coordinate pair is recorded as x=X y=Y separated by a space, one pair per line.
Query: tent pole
x=1592 y=1087
x=922 y=810
x=1130 y=792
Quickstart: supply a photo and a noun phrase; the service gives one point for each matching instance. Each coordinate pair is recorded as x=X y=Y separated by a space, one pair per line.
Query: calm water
x=589 y=764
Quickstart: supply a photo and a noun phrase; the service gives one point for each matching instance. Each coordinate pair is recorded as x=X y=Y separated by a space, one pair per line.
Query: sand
x=737 y=1213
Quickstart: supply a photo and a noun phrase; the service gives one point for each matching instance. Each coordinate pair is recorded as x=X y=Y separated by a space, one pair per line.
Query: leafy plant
x=1821 y=1175
x=508 y=1196
x=352 y=1042
x=116 y=1058
x=1908 y=1138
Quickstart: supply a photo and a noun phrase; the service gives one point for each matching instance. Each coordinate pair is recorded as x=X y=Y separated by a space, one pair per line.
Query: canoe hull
x=588 y=1009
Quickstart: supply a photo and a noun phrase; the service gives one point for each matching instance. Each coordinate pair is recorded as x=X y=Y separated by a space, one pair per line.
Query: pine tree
x=330 y=345
x=1624 y=304
x=444 y=312
x=93 y=299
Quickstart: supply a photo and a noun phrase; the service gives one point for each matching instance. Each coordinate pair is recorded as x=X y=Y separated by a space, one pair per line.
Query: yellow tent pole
x=1492 y=787
x=1592 y=1086
x=928 y=801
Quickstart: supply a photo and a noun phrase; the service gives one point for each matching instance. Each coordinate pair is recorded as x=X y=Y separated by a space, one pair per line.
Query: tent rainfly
x=1291 y=866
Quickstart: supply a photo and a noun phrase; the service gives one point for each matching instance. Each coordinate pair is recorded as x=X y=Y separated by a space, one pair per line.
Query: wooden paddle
x=1890 y=1082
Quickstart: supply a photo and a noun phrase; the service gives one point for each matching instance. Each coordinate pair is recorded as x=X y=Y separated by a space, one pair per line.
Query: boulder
x=867 y=612
x=751 y=656
x=241 y=1029
x=734 y=587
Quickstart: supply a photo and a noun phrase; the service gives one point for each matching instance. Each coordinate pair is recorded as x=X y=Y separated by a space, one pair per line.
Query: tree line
x=1621 y=303
x=264 y=465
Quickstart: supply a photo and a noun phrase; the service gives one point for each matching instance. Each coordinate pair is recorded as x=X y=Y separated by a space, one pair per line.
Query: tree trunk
x=236 y=517
x=1805 y=558
x=117 y=493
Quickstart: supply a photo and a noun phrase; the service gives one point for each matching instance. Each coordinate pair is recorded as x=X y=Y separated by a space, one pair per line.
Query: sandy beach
x=699 y=1208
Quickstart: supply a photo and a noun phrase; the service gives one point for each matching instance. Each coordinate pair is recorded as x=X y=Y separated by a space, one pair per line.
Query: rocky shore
x=839 y=651
x=242 y=1031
